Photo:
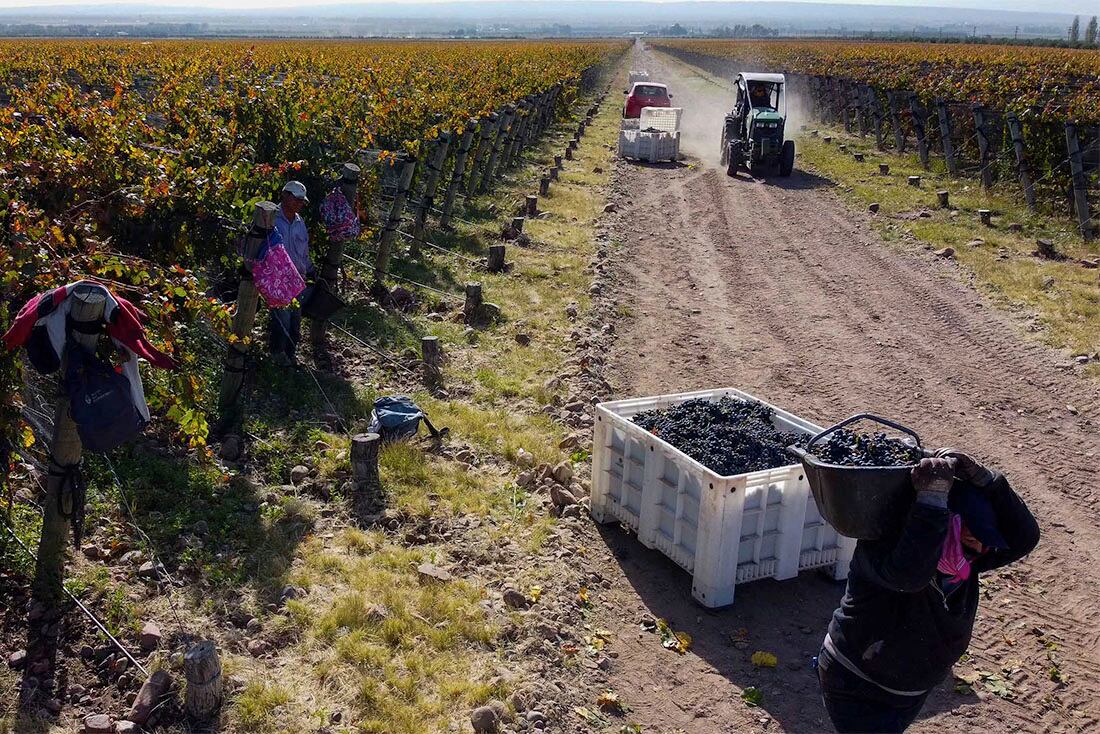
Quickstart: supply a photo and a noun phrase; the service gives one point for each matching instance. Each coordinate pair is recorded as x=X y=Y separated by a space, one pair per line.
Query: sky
x=1054 y=6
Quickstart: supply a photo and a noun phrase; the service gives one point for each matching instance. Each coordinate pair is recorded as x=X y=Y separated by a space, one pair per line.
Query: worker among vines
x=908 y=612
x=286 y=323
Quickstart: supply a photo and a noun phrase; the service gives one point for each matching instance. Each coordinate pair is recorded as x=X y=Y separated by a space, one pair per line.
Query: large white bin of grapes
x=722 y=530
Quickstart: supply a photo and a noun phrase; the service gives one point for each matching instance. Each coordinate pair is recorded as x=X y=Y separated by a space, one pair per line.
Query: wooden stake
x=474 y=300
x=65 y=451
x=532 y=207
x=569 y=151
x=986 y=216
x=914 y=181
x=884 y=169
x=895 y=120
x=879 y=117
x=517 y=224
x=393 y=222
x=554 y=172
x=431 y=357
x=487 y=135
x=244 y=316
x=461 y=159
x=557 y=164
x=495 y=262
x=943 y=197
x=1017 y=135
x=1080 y=182
x=945 y=137
x=203 y=671
x=984 y=150
x=503 y=133
x=544 y=185
x=364 y=471
x=431 y=184
x=919 y=117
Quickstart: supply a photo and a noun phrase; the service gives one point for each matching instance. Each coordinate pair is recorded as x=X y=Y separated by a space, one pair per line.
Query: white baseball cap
x=297 y=189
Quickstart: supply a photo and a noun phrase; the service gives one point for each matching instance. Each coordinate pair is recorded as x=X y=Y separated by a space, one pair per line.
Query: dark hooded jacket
x=895 y=622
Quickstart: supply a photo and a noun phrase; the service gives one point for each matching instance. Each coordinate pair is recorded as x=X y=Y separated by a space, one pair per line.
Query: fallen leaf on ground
x=762 y=659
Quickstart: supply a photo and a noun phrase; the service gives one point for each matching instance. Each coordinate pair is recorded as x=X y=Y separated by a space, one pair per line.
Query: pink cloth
x=953 y=561
x=341 y=222
x=276 y=278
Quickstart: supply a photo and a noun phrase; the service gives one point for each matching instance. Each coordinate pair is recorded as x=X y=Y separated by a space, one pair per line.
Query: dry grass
x=391 y=651
x=1062 y=297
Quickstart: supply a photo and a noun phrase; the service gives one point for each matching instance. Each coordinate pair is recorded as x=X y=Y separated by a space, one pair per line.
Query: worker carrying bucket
x=926 y=531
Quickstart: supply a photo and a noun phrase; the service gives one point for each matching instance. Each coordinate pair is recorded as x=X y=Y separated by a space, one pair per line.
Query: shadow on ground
x=786 y=618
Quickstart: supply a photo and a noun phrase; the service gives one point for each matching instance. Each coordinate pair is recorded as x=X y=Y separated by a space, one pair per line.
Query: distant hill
x=546 y=18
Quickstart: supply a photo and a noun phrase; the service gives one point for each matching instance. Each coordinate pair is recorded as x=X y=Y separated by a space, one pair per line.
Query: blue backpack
x=396 y=417
x=100 y=402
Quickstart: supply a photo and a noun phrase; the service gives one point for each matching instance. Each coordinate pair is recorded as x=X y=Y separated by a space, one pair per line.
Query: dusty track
x=779 y=289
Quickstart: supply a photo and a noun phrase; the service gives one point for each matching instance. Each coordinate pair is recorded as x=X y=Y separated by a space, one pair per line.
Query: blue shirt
x=296 y=240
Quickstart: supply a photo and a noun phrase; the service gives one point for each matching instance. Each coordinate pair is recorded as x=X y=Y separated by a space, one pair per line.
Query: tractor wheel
x=733 y=159
x=786 y=159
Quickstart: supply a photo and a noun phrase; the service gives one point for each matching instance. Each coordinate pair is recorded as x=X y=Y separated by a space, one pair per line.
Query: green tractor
x=752 y=137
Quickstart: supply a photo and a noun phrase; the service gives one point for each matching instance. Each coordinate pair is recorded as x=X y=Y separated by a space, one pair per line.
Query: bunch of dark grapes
x=728 y=436
x=848 y=448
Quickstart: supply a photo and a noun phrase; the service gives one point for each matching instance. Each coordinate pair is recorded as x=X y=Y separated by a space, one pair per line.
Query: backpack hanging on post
x=101 y=402
x=396 y=417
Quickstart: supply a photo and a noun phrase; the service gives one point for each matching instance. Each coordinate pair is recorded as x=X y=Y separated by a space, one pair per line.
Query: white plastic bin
x=664 y=119
x=652 y=147
x=723 y=530
x=638 y=75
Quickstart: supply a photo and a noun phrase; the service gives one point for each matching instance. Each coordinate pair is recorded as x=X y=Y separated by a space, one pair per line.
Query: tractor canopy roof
x=769 y=78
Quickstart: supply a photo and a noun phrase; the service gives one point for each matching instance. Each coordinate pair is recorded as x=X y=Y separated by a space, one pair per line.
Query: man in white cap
x=286 y=323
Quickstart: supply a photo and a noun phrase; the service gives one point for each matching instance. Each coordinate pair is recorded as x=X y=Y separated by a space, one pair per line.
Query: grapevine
x=138 y=163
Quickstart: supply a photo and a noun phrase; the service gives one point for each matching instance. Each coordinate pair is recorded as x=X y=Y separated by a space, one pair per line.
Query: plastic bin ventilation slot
x=722 y=530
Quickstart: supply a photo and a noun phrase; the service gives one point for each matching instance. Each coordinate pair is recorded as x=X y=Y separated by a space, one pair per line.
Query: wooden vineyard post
x=895 y=120
x=1080 y=183
x=945 y=137
x=244 y=315
x=471 y=309
x=877 y=113
x=334 y=255
x=62 y=496
x=393 y=221
x=544 y=184
x=431 y=357
x=367 y=492
x=461 y=157
x=431 y=184
x=486 y=137
x=844 y=103
x=515 y=141
x=531 y=206
x=504 y=133
x=984 y=154
x=1017 y=135
x=203 y=672
x=919 y=118
x=495 y=262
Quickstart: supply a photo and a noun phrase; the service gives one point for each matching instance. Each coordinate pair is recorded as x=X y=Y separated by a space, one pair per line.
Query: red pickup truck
x=645 y=94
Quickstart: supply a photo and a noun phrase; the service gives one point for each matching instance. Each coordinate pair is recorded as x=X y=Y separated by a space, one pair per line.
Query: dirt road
x=779 y=289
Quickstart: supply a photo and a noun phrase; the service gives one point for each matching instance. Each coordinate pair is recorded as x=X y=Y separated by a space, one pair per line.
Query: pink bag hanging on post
x=274 y=274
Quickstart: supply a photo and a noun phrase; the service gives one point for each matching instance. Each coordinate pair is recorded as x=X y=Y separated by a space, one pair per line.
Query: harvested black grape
x=849 y=448
x=728 y=436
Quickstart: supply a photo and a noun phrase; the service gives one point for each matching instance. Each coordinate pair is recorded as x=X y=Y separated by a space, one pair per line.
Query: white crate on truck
x=639 y=75
x=664 y=119
x=723 y=530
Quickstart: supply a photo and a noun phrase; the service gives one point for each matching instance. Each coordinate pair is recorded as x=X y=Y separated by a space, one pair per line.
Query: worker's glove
x=968 y=468
x=932 y=478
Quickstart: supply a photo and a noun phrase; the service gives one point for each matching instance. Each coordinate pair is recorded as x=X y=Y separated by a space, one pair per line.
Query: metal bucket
x=864 y=502
x=321 y=303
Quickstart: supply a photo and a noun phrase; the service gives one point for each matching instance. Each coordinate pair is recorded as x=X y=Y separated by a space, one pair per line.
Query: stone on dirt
x=515 y=599
x=127 y=727
x=298 y=474
x=149 y=696
x=98 y=724
x=432 y=572
x=525 y=458
x=563 y=473
x=231 y=448
x=17 y=659
x=948 y=252
x=484 y=720
x=561 y=496
x=150 y=637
